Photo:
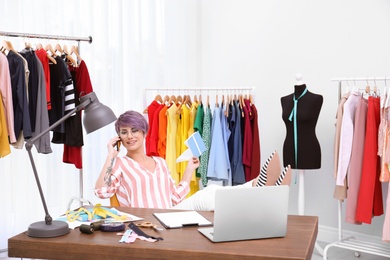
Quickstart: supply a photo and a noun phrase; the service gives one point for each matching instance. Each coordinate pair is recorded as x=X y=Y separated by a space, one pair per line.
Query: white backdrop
x=206 y=43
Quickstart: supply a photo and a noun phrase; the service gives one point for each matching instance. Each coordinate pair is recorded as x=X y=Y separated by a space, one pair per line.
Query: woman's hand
x=113 y=146
x=193 y=163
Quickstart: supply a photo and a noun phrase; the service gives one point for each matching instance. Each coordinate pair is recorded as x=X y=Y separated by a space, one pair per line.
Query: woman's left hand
x=193 y=163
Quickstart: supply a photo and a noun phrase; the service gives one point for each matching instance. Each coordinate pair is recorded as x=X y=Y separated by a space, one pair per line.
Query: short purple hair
x=132 y=119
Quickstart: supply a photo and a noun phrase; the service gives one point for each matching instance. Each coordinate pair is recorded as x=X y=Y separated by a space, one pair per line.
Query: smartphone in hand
x=118 y=145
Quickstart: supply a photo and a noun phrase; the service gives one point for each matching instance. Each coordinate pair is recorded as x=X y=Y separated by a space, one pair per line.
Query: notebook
x=243 y=213
x=182 y=219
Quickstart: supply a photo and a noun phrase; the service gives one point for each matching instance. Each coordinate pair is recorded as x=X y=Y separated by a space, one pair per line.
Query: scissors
x=147 y=224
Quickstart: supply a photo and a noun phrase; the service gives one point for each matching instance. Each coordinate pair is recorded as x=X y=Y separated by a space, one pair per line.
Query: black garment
x=32 y=59
x=308 y=146
x=60 y=91
x=19 y=95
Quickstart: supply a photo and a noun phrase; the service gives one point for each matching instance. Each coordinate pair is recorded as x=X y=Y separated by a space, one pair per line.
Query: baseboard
x=329 y=235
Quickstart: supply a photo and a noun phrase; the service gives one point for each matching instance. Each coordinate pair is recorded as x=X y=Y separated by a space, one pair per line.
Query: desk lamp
x=96 y=116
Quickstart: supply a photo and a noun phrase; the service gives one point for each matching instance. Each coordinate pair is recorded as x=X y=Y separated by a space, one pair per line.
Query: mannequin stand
x=301 y=202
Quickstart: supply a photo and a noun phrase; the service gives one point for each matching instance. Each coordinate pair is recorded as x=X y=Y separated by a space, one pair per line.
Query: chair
x=114 y=201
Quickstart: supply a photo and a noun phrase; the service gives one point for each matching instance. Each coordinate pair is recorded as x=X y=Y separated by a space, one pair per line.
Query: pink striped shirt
x=135 y=186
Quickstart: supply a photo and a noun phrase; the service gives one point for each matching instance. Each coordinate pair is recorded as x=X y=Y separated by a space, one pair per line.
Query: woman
x=145 y=181
x=139 y=180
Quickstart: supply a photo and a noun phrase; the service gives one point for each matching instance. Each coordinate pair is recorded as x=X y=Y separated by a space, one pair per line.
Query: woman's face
x=132 y=139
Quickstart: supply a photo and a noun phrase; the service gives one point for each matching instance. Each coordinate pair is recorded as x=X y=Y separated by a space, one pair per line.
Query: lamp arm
x=29 y=145
x=31 y=141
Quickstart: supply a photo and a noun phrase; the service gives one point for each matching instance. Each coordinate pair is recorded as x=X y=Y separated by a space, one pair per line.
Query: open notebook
x=243 y=213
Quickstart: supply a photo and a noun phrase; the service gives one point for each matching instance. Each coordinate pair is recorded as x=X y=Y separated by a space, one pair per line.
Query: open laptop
x=243 y=213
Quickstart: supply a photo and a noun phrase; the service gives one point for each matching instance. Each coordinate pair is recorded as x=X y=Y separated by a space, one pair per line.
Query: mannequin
x=301 y=148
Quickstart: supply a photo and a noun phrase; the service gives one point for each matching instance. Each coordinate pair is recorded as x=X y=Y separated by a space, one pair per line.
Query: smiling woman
x=138 y=180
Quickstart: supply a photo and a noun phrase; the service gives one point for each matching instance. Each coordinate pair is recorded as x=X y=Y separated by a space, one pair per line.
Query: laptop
x=243 y=213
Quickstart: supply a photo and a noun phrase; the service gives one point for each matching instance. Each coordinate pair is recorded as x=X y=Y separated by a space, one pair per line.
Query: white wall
x=265 y=43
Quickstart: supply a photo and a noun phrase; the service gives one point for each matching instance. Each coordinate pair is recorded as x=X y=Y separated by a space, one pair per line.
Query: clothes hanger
x=166 y=100
x=8 y=45
x=179 y=99
x=75 y=50
x=49 y=47
x=52 y=54
x=59 y=48
x=158 y=98
x=68 y=56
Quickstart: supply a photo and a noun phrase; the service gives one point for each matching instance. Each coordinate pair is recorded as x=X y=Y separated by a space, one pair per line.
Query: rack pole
x=47 y=36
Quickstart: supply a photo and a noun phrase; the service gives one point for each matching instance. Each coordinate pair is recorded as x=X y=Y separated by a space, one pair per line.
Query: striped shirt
x=135 y=186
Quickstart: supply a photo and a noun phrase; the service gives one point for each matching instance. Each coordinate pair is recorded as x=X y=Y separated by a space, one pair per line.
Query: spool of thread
x=86 y=229
x=97 y=225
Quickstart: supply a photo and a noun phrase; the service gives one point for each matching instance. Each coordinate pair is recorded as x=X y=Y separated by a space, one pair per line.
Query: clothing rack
x=197 y=89
x=351 y=242
x=63 y=38
x=204 y=90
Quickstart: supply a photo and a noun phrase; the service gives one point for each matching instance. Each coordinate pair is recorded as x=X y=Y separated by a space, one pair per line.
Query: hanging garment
x=225 y=138
x=206 y=137
x=32 y=60
x=237 y=166
x=198 y=126
x=194 y=185
x=5 y=148
x=6 y=92
x=247 y=144
x=182 y=134
x=172 y=121
x=346 y=136
x=370 y=193
x=162 y=132
x=83 y=86
x=256 y=159
x=151 y=110
x=218 y=167
x=356 y=162
x=57 y=93
x=340 y=192
x=383 y=139
x=42 y=56
x=153 y=132
x=42 y=117
x=22 y=125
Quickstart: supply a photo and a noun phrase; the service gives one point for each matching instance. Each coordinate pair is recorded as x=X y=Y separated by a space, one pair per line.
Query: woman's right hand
x=112 y=146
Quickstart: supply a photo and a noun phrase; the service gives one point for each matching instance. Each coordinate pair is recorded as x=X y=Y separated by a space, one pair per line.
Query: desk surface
x=183 y=243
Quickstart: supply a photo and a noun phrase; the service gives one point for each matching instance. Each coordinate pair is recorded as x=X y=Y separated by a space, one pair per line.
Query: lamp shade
x=96 y=115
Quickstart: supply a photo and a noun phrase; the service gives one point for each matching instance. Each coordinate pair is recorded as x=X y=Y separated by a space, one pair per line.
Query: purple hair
x=132 y=119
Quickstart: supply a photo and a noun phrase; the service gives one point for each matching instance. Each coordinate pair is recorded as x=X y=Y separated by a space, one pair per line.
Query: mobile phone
x=118 y=145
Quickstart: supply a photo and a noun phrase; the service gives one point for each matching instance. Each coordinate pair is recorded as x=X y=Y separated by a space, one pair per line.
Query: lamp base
x=41 y=229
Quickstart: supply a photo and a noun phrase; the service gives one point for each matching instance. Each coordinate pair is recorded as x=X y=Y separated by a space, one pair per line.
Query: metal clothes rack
x=197 y=89
x=352 y=243
x=63 y=38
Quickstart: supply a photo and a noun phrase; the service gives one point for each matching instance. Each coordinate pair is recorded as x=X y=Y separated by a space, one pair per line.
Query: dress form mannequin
x=301 y=148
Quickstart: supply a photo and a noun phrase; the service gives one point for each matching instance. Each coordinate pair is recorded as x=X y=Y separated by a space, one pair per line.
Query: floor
x=333 y=254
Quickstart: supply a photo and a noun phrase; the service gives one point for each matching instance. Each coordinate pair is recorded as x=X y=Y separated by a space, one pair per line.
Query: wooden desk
x=184 y=243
